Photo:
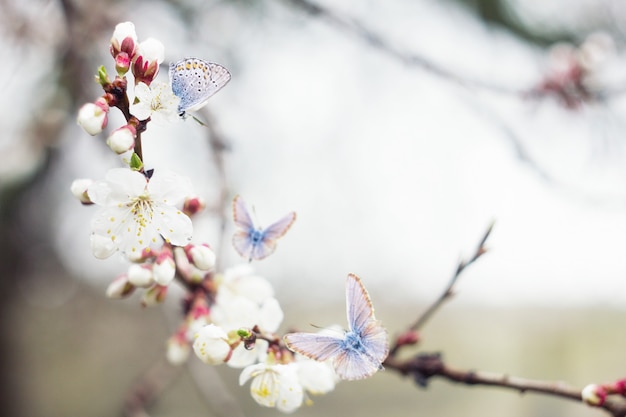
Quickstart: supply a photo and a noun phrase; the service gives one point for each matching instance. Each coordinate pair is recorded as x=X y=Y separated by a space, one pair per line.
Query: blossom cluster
x=145 y=215
x=572 y=76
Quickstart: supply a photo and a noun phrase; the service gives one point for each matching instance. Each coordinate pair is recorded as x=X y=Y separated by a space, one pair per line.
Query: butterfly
x=194 y=81
x=360 y=351
x=255 y=242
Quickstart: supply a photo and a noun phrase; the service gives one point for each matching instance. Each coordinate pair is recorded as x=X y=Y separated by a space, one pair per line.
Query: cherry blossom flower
x=157 y=102
x=211 y=345
x=136 y=211
x=274 y=385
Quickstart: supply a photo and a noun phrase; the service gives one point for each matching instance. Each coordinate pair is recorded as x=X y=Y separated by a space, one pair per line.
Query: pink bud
x=120 y=287
x=122 y=63
x=593 y=394
x=154 y=296
x=178 y=348
x=193 y=206
x=150 y=54
x=124 y=40
x=164 y=268
x=202 y=256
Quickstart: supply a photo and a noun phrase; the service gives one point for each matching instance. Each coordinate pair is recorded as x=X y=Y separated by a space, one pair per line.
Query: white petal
x=119 y=186
x=265 y=388
x=169 y=188
x=174 y=225
x=102 y=247
x=271 y=315
x=152 y=50
x=143 y=93
x=141 y=110
x=250 y=372
x=290 y=391
x=316 y=377
x=242 y=357
x=124 y=30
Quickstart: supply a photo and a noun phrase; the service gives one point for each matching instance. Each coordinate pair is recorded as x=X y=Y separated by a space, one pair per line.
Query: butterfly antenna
x=200 y=122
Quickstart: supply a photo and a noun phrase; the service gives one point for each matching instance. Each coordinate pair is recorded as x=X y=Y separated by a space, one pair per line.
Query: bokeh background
x=398 y=131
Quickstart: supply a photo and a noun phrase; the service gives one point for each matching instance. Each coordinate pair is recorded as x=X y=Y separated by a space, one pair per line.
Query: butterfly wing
x=362 y=321
x=194 y=81
x=266 y=245
x=211 y=80
x=315 y=346
x=241 y=216
x=242 y=239
x=353 y=364
x=278 y=229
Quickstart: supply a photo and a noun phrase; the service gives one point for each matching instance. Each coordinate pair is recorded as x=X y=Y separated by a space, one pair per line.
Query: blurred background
x=398 y=131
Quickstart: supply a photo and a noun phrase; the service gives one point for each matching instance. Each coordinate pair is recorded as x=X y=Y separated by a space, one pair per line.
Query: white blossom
x=274 y=385
x=136 y=211
x=157 y=102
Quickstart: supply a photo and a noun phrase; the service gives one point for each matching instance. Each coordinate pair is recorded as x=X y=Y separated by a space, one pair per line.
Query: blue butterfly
x=360 y=351
x=194 y=81
x=255 y=242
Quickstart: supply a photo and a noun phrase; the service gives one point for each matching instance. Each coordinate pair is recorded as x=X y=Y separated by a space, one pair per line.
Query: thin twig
x=425 y=366
x=448 y=292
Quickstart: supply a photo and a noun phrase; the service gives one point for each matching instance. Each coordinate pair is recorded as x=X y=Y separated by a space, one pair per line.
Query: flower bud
x=593 y=394
x=202 y=256
x=154 y=296
x=122 y=139
x=120 y=287
x=124 y=40
x=140 y=275
x=193 y=206
x=178 y=348
x=150 y=54
x=164 y=268
x=92 y=117
x=211 y=345
x=79 y=190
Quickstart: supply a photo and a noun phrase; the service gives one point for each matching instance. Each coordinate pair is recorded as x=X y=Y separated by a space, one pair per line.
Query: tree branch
x=427 y=365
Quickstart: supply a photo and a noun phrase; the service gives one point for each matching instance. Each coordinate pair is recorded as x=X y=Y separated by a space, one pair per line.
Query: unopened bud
x=79 y=190
x=202 y=256
x=164 y=268
x=122 y=140
x=193 y=206
x=140 y=275
x=593 y=394
x=154 y=296
x=178 y=348
x=120 y=287
x=211 y=345
x=92 y=117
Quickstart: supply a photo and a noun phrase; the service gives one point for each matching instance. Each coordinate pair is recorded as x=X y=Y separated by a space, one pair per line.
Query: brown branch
x=425 y=366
